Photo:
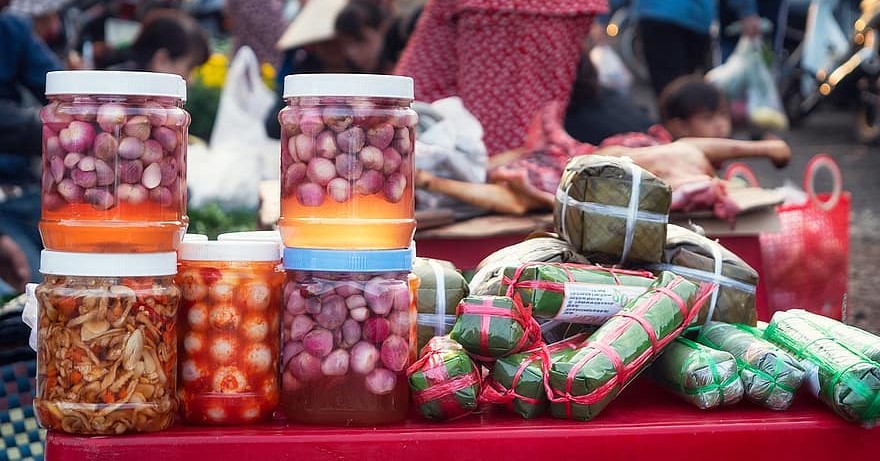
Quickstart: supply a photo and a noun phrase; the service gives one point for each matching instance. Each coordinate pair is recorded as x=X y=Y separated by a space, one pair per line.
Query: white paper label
x=594 y=303
x=811 y=376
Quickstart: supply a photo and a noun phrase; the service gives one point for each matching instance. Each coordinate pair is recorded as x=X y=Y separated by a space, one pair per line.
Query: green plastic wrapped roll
x=553 y=331
x=770 y=376
x=489 y=327
x=854 y=338
x=584 y=381
x=445 y=383
x=612 y=210
x=704 y=377
x=441 y=288
x=846 y=381
x=573 y=293
x=699 y=259
x=517 y=381
x=490 y=271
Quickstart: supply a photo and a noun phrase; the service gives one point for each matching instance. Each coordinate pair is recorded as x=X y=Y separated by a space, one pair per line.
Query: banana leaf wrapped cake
x=584 y=381
x=611 y=210
x=441 y=288
x=846 y=381
x=518 y=381
x=702 y=376
x=489 y=327
x=490 y=272
x=770 y=376
x=854 y=338
x=700 y=259
x=574 y=293
x=445 y=382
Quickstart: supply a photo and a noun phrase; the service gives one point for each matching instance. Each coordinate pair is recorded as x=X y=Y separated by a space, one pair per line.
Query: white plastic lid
x=363 y=85
x=110 y=82
x=252 y=236
x=228 y=250
x=108 y=264
x=195 y=238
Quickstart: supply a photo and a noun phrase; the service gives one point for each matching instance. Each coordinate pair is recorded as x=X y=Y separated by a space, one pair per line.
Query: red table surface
x=644 y=423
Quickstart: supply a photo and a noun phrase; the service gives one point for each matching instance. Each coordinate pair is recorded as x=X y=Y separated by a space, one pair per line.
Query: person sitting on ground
x=690 y=107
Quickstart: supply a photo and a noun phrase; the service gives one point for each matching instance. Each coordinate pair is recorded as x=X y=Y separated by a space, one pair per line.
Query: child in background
x=690 y=107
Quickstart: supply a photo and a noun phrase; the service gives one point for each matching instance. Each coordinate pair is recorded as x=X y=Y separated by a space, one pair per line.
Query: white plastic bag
x=29 y=313
x=612 y=72
x=239 y=154
x=450 y=145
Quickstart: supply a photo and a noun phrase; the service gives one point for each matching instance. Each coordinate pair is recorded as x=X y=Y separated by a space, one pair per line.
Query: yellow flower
x=268 y=73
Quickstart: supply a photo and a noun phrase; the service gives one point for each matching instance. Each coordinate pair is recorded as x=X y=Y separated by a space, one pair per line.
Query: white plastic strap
x=438 y=321
x=29 y=314
x=632 y=210
x=716 y=255
x=440 y=297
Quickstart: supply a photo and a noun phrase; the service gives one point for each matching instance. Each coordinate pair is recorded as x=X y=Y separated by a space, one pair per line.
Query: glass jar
x=346 y=161
x=348 y=336
x=107 y=342
x=114 y=162
x=230 y=331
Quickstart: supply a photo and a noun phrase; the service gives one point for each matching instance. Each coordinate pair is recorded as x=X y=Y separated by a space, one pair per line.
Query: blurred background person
x=257 y=24
x=170 y=41
x=24 y=61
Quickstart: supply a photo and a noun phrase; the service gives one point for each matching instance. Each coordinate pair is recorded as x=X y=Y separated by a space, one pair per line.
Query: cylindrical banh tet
x=107 y=343
x=114 y=162
x=347 y=146
x=348 y=336
x=229 y=331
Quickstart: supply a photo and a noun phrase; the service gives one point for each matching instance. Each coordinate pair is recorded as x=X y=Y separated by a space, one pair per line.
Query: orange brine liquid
x=125 y=228
x=363 y=222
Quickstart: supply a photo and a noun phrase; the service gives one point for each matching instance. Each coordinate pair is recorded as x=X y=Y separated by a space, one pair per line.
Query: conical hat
x=314 y=23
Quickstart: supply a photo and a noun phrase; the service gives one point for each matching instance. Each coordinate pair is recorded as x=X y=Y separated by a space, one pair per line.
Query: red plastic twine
x=522 y=316
x=624 y=372
x=559 y=287
x=495 y=392
x=441 y=389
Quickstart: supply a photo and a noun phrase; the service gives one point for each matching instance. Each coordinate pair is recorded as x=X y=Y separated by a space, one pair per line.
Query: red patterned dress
x=506 y=59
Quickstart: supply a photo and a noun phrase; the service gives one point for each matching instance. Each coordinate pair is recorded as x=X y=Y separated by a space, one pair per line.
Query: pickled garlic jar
x=348 y=336
x=347 y=146
x=107 y=342
x=229 y=331
x=114 y=162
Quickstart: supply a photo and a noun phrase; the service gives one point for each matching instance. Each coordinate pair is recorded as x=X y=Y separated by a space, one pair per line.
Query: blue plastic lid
x=348 y=260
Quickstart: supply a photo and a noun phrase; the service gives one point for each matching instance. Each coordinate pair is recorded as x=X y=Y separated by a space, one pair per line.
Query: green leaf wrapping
x=445 y=383
x=846 y=381
x=584 y=381
x=598 y=234
x=517 y=380
x=686 y=250
x=487 y=279
x=493 y=326
x=854 y=338
x=699 y=375
x=770 y=376
x=434 y=320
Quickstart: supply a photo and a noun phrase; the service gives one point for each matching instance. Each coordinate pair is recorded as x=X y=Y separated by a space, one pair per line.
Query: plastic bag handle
x=739 y=170
x=816 y=164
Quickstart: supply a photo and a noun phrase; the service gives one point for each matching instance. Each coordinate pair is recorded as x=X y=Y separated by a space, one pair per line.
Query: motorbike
x=837 y=59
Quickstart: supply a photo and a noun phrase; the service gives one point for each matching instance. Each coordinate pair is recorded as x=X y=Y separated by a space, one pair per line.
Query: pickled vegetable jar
x=347 y=146
x=107 y=342
x=114 y=162
x=229 y=331
x=348 y=336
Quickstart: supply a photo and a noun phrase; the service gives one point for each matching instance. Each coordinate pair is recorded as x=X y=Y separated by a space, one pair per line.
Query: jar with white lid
x=347 y=143
x=114 y=162
x=229 y=331
x=107 y=342
x=348 y=335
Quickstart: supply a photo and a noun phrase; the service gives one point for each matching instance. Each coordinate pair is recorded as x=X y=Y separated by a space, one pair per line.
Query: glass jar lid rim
x=108 y=264
x=112 y=82
x=349 y=85
x=320 y=260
